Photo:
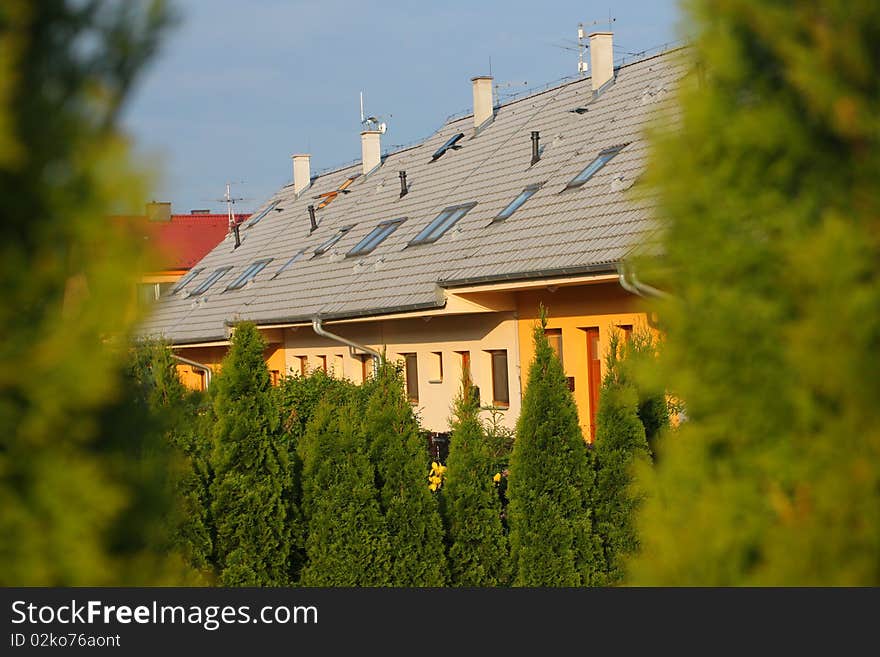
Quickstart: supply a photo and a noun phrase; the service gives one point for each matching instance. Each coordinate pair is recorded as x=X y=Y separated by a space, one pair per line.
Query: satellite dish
x=383 y=127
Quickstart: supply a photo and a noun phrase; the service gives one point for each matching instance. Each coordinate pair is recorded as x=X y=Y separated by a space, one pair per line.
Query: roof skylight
x=215 y=276
x=594 y=166
x=326 y=246
x=516 y=203
x=299 y=254
x=256 y=219
x=375 y=237
x=186 y=280
x=248 y=274
x=441 y=224
x=451 y=144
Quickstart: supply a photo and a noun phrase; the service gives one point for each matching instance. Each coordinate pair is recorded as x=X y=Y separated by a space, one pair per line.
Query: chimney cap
x=482 y=77
x=601 y=33
x=301 y=155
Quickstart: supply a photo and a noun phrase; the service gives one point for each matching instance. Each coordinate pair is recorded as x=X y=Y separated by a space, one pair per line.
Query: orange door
x=594 y=376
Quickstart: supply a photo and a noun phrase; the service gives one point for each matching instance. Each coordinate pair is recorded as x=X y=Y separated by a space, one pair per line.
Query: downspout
x=198 y=366
x=324 y=333
x=631 y=284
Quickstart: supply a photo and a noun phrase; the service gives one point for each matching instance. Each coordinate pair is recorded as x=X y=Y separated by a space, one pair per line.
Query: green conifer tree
x=550 y=478
x=768 y=191
x=347 y=542
x=81 y=467
x=478 y=550
x=620 y=442
x=252 y=480
x=400 y=457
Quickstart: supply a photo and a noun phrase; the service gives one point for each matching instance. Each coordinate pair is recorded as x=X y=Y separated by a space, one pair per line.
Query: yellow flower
x=433 y=487
x=497 y=477
x=442 y=469
x=434 y=466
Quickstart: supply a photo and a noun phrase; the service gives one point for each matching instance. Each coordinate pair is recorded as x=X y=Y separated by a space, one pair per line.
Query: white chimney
x=482 y=99
x=371 y=150
x=302 y=174
x=601 y=58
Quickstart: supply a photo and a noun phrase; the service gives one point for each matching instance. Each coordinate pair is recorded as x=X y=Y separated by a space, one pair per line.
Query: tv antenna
x=580 y=47
x=373 y=123
x=507 y=85
x=230 y=200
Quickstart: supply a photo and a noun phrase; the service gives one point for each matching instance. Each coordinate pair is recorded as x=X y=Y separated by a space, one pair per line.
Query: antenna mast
x=582 y=65
x=229 y=201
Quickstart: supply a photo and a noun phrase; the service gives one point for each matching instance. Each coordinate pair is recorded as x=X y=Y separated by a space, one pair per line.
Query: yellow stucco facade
x=488 y=327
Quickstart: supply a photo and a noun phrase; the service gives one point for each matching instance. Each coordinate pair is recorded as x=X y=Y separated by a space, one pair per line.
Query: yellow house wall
x=476 y=333
x=574 y=309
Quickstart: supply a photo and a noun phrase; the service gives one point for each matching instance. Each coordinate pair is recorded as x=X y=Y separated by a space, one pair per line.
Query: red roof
x=187 y=238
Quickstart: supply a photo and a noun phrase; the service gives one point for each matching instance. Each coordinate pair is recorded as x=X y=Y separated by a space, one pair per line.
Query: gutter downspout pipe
x=198 y=366
x=631 y=284
x=318 y=327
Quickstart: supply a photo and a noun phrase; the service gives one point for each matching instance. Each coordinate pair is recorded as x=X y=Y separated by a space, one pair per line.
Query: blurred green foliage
x=82 y=467
x=769 y=194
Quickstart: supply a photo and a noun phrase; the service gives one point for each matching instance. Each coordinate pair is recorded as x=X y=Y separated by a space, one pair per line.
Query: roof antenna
x=372 y=123
x=229 y=202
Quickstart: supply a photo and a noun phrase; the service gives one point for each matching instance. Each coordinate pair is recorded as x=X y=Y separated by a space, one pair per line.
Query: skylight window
x=441 y=224
x=215 y=276
x=326 y=246
x=451 y=144
x=516 y=203
x=293 y=259
x=186 y=280
x=375 y=237
x=248 y=274
x=594 y=166
x=255 y=220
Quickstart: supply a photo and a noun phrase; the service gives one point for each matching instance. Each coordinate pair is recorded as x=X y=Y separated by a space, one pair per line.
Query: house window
x=338 y=366
x=326 y=246
x=627 y=331
x=554 y=337
x=255 y=220
x=500 y=386
x=366 y=367
x=441 y=224
x=375 y=237
x=249 y=274
x=412 y=377
x=322 y=363
x=329 y=197
x=435 y=367
x=274 y=376
x=516 y=203
x=215 y=276
x=303 y=365
x=186 y=280
x=147 y=293
x=601 y=160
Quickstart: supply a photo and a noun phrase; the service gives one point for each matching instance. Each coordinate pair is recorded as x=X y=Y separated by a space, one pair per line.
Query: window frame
x=596 y=164
x=449 y=144
x=293 y=259
x=379 y=234
x=253 y=221
x=209 y=282
x=527 y=193
x=411 y=376
x=249 y=274
x=444 y=218
x=497 y=402
x=188 y=278
x=331 y=241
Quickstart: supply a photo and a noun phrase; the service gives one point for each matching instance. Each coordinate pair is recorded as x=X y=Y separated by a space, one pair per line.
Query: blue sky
x=240 y=85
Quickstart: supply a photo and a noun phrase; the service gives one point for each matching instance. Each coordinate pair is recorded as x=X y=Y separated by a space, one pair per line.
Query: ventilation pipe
x=312 y=221
x=482 y=99
x=302 y=173
x=371 y=150
x=318 y=327
x=536 y=154
x=235 y=231
x=601 y=58
x=404 y=190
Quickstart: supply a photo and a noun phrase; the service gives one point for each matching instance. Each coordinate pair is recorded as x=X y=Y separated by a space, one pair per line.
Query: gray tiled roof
x=557 y=231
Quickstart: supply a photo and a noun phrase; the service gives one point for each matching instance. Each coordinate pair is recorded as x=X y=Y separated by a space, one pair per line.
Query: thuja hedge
x=321 y=482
